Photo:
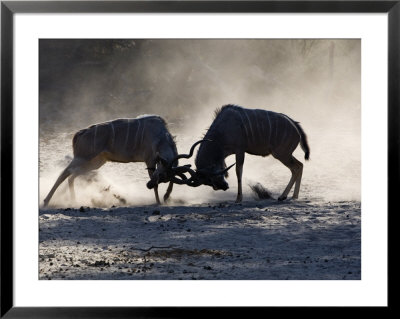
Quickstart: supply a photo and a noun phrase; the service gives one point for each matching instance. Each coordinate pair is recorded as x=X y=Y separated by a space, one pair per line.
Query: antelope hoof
x=238 y=199
x=166 y=199
x=281 y=198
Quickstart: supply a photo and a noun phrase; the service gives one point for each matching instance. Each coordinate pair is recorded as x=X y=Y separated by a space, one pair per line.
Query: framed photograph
x=163 y=155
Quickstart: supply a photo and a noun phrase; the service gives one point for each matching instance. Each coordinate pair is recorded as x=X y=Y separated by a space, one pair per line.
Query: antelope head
x=167 y=171
x=212 y=176
x=160 y=172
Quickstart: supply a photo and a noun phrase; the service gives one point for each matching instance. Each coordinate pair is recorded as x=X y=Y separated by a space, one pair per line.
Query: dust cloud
x=317 y=82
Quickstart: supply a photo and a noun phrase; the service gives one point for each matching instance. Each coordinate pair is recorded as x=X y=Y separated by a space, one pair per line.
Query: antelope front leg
x=239 y=172
x=168 y=192
x=156 y=193
x=151 y=171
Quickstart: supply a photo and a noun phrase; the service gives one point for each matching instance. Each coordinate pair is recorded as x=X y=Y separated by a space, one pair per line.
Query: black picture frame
x=9 y=8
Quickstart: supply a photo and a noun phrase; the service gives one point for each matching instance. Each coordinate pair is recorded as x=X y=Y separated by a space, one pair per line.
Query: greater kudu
x=237 y=130
x=142 y=139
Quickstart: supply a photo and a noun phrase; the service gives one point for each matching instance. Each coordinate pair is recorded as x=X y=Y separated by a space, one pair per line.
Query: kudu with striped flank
x=142 y=139
x=237 y=130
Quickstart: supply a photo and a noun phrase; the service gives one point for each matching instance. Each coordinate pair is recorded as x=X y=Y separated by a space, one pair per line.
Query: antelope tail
x=303 y=140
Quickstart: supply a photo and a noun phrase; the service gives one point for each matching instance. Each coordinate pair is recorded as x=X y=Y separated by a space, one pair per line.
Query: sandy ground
x=265 y=239
x=115 y=232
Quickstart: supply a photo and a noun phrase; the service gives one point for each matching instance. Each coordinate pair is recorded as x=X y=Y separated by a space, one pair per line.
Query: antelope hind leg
x=71 y=169
x=59 y=180
x=298 y=182
x=76 y=167
x=295 y=168
x=81 y=167
x=71 y=186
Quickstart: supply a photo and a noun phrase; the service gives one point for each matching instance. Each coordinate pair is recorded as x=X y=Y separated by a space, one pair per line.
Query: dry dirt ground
x=264 y=239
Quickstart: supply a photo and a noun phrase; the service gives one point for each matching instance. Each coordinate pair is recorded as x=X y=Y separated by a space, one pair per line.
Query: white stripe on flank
x=245 y=129
x=285 y=142
x=113 y=134
x=284 y=133
x=263 y=133
x=141 y=140
x=259 y=131
x=260 y=128
x=276 y=131
x=137 y=135
x=270 y=131
x=94 y=138
x=251 y=127
x=127 y=134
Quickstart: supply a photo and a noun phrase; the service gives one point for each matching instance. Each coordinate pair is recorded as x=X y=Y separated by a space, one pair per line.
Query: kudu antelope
x=143 y=139
x=237 y=130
